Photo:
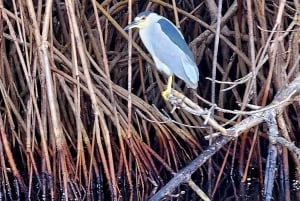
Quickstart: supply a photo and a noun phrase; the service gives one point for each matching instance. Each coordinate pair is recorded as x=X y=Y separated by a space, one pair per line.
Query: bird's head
x=142 y=20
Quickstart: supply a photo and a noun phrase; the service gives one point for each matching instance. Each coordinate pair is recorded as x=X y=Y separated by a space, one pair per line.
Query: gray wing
x=175 y=35
x=172 y=50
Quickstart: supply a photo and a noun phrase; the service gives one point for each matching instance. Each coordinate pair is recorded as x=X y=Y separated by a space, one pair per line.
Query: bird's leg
x=167 y=92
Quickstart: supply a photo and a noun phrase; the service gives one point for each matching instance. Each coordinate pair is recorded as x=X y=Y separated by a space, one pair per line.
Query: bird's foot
x=165 y=94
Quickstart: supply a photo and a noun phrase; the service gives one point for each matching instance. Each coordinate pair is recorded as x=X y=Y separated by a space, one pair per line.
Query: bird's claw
x=165 y=94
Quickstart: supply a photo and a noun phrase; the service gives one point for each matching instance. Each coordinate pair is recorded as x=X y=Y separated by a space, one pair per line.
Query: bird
x=168 y=49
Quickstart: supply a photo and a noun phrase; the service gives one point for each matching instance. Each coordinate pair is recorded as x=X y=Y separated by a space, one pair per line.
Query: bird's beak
x=130 y=26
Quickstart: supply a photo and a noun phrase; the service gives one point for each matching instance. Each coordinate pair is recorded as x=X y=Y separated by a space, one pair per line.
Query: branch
x=184 y=175
x=178 y=100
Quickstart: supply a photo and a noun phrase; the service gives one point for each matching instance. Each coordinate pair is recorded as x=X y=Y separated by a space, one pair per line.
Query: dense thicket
x=80 y=122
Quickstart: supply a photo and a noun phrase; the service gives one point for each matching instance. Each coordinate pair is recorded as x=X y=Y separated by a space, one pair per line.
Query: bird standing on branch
x=166 y=44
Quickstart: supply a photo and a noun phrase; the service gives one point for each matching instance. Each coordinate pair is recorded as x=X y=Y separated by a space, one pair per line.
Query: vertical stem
x=129 y=69
x=214 y=67
x=176 y=14
x=252 y=50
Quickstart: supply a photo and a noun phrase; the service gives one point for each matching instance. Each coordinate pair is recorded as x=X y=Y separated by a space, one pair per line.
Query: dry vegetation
x=82 y=117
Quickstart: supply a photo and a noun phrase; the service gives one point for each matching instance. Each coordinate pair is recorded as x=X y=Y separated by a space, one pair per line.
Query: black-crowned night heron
x=167 y=47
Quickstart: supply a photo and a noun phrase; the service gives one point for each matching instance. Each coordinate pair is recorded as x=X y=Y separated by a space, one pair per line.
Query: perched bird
x=167 y=47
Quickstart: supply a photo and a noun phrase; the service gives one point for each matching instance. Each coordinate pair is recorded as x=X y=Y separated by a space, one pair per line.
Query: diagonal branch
x=184 y=175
